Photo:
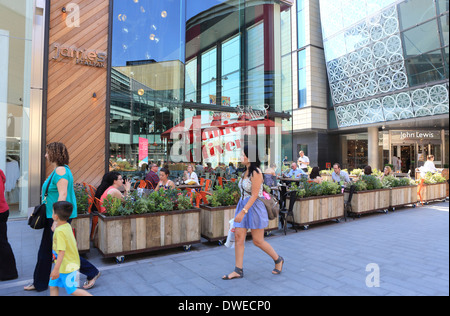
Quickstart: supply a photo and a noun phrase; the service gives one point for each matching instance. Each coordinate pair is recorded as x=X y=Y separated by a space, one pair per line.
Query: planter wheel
x=120 y=259
x=220 y=242
x=187 y=248
x=305 y=227
x=414 y=205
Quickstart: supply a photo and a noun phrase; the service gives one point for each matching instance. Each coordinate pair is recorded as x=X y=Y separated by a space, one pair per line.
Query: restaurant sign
x=84 y=57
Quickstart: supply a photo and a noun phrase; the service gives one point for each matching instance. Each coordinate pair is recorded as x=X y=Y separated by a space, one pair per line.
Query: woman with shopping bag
x=251 y=214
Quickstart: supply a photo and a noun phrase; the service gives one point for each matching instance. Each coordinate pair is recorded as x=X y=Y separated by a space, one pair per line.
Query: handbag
x=271 y=204
x=39 y=216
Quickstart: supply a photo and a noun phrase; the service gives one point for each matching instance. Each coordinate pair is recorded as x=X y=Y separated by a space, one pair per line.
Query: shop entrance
x=414 y=155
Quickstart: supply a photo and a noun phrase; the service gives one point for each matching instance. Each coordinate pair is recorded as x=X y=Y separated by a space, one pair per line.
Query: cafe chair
x=286 y=212
x=141 y=184
x=348 y=204
x=149 y=185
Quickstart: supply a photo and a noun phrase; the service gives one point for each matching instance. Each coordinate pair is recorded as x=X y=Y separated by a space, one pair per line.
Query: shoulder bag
x=272 y=206
x=39 y=216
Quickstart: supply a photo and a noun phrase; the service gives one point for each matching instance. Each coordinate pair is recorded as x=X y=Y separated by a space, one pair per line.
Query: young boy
x=65 y=253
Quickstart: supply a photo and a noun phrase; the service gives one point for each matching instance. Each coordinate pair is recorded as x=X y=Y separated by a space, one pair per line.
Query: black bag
x=39 y=216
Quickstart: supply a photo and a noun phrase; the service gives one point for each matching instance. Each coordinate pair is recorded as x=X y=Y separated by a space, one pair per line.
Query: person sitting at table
x=115 y=180
x=315 y=175
x=209 y=168
x=164 y=182
x=367 y=170
x=296 y=172
x=387 y=171
x=270 y=175
x=190 y=176
x=339 y=175
x=152 y=176
x=231 y=169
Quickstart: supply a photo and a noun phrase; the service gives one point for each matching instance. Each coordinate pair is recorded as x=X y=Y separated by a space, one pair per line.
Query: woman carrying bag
x=8 y=270
x=60 y=188
x=251 y=213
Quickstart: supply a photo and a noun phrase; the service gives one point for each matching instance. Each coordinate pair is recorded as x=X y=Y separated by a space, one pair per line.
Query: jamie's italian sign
x=83 y=57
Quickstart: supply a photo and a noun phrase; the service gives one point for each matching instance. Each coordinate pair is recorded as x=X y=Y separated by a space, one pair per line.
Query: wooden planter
x=318 y=209
x=401 y=196
x=433 y=192
x=82 y=228
x=215 y=222
x=369 y=201
x=123 y=235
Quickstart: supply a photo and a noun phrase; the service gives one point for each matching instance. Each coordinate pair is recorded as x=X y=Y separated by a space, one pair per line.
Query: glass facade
x=192 y=81
x=386 y=60
x=16 y=19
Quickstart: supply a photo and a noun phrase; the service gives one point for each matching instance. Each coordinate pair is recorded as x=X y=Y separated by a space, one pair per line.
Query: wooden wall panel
x=74 y=117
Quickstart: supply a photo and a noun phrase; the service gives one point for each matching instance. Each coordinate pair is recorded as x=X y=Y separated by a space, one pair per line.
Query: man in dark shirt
x=152 y=176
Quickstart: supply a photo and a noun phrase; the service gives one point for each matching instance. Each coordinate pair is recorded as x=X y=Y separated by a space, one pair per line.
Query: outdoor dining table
x=189 y=186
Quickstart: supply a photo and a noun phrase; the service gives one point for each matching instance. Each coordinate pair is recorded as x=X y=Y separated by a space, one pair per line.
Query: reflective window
x=208 y=75
x=231 y=75
x=425 y=68
x=301 y=41
x=255 y=79
x=302 y=78
x=444 y=29
x=15 y=47
x=442 y=6
x=414 y=12
x=418 y=39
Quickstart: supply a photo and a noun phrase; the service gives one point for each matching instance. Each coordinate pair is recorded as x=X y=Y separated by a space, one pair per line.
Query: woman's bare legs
x=239 y=247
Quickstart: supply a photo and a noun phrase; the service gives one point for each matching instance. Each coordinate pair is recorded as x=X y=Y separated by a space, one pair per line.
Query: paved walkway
x=407 y=251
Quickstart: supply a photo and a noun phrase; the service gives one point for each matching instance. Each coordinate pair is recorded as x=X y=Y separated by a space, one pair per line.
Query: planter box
x=369 y=201
x=318 y=209
x=215 y=222
x=432 y=192
x=133 y=234
x=82 y=227
x=401 y=196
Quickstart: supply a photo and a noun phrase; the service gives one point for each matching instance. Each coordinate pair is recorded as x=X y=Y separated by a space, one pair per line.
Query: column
x=373 y=159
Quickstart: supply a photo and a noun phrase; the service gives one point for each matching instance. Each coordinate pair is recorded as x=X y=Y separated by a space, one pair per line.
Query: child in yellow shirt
x=65 y=253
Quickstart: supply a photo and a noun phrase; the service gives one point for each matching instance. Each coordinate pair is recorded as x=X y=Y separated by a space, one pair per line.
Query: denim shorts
x=67 y=281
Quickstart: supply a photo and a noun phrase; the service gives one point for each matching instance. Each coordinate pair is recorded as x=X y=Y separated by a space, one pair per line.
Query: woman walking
x=251 y=214
x=60 y=188
x=8 y=270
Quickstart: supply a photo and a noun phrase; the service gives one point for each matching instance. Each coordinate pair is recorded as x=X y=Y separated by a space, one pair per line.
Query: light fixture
x=63 y=10
x=94 y=95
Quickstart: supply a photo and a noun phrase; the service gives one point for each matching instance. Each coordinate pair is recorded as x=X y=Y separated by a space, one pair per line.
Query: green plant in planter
x=373 y=182
x=82 y=198
x=226 y=196
x=390 y=182
x=307 y=189
x=431 y=178
x=357 y=172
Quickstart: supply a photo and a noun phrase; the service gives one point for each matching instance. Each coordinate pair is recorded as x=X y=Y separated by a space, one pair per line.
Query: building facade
x=126 y=83
x=387 y=78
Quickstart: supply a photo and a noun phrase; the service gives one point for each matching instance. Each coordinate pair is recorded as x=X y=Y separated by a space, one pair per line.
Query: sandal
x=29 y=287
x=278 y=261
x=89 y=284
x=239 y=271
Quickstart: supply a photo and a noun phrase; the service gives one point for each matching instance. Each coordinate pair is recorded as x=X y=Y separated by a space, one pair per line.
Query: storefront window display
x=192 y=81
x=15 y=72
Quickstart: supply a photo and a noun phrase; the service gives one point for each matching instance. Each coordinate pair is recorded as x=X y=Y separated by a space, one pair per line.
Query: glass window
x=208 y=75
x=301 y=23
x=256 y=65
x=15 y=50
x=191 y=81
x=414 y=12
x=425 y=68
x=421 y=39
x=446 y=61
x=442 y=6
x=231 y=75
x=302 y=78
x=444 y=29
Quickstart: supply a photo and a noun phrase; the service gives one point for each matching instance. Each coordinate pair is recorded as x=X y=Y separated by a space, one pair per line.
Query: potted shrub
x=403 y=191
x=317 y=202
x=370 y=195
x=163 y=219
x=433 y=187
x=82 y=223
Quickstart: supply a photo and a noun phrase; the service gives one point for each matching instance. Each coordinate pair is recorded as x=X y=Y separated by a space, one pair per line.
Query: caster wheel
x=305 y=227
x=414 y=205
x=187 y=248
x=120 y=259
x=220 y=242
